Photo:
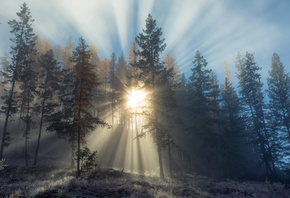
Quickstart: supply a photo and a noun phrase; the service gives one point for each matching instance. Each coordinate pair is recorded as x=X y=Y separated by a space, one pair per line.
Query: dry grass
x=52 y=181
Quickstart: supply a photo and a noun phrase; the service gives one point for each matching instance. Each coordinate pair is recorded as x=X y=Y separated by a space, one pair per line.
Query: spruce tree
x=149 y=66
x=63 y=121
x=252 y=96
x=95 y=60
x=121 y=86
x=86 y=80
x=133 y=58
x=279 y=95
x=28 y=84
x=112 y=82
x=51 y=76
x=24 y=41
x=202 y=106
x=233 y=146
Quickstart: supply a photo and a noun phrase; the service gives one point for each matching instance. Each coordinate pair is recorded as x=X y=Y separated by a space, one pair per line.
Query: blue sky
x=218 y=29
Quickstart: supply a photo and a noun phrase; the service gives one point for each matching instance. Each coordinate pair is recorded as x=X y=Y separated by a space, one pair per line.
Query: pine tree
x=279 y=94
x=57 y=51
x=112 y=82
x=86 y=80
x=167 y=111
x=63 y=121
x=24 y=42
x=151 y=45
x=51 y=76
x=279 y=106
x=133 y=58
x=42 y=46
x=202 y=106
x=170 y=63
x=121 y=71
x=95 y=60
x=233 y=143
x=66 y=54
x=251 y=91
x=28 y=80
x=121 y=85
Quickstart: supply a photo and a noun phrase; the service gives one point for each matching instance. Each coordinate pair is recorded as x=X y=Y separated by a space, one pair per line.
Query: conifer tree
x=170 y=63
x=121 y=84
x=167 y=113
x=121 y=71
x=279 y=115
x=63 y=121
x=233 y=144
x=51 y=76
x=279 y=94
x=75 y=120
x=95 y=60
x=86 y=80
x=67 y=53
x=251 y=91
x=112 y=81
x=24 y=41
x=28 y=80
x=104 y=79
x=203 y=123
x=133 y=58
x=151 y=45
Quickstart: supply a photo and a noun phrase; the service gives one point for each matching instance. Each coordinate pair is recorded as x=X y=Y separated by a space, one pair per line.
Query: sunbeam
x=145 y=90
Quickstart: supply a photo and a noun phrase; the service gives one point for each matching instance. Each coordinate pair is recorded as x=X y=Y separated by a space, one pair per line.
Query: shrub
x=87 y=159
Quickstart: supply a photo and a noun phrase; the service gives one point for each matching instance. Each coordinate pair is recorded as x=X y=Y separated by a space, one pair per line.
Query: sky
x=218 y=29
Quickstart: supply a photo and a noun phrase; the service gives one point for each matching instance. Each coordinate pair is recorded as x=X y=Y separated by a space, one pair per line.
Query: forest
x=59 y=103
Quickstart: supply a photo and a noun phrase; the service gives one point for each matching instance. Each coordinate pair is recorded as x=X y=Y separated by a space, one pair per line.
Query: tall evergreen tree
x=121 y=71
x=151 y=45
x=170 y=63
x=203 y=122
x=233 y=141
x=63 y=121
x=167 y=112
x=121 y=85
x=24 y=42
x=86 y=80
x=104 y=80
x=67 y=53
x=51 y=76
x=28 y=80
x=95 y=60
x=251 y=91
x=279 y=106
x=279 y=94
x=133 y=58
x=112 y=82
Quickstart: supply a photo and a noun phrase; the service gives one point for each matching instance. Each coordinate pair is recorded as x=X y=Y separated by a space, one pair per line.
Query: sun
x=135 y=98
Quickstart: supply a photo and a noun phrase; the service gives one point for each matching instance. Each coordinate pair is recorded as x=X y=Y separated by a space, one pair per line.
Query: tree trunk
x=79 y=133
x=27 y=131
x=18 y=130
x=112 y=109
x=169 y=156
x=160 y=162
x=72 y=165
x=7 y=116
x=40 y=128
x=79 y=145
